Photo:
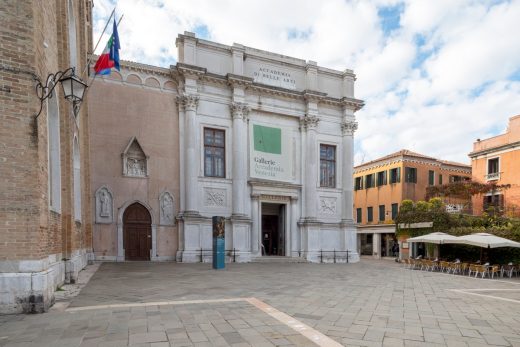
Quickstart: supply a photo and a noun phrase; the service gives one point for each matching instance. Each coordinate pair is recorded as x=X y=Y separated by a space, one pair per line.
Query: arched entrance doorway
x=137 y=231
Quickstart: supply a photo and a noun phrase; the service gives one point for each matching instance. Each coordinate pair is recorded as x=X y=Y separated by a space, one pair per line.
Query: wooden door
x=137 y=229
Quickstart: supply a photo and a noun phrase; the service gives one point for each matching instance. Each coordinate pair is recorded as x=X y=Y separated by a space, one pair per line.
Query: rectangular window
x=359 y=215
x=492 y=166
x=431 y=177
x=381 y=178
x=370 y=181
x=454 y=178
x=381 y=213
x=410 y=175
x=395 y=210
x=370 y=214
x=214 y=153
x=395 y=175
x=440 y=179
x=358 y=183
x=327 y=166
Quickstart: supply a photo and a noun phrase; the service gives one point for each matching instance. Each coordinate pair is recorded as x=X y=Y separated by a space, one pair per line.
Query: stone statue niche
x=104 y=206
x=166 y=210
x=135 y=161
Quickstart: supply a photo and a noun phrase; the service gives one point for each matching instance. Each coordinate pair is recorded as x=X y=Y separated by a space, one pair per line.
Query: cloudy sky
x=435 y=75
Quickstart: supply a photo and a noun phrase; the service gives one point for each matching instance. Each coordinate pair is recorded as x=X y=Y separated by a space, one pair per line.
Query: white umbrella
x=484 y=240
x=437 y=237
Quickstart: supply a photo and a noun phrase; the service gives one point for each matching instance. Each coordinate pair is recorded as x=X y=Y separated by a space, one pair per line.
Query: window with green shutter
x=395 y=175
x=395 y=210
x=410 y=175
x=370 y=214
x=431 y=177
x=381 y=213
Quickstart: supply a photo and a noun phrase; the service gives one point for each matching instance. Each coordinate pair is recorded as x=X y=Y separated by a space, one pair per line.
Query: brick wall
x=34 y=41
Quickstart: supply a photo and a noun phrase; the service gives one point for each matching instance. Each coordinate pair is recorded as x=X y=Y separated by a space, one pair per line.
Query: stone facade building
x=45 y=219
x=381 y=184
x=497 y=160
x=262 y=139
x=266 y=141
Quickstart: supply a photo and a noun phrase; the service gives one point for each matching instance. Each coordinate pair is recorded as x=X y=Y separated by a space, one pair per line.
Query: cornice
x=494 y=149
x=313 y=95
x=356 y=104
x=191 y=70
x=239 y=80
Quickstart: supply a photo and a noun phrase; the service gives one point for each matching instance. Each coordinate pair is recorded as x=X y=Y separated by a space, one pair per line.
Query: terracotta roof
x=408 y=153
x=454 y=163
x=402 y=152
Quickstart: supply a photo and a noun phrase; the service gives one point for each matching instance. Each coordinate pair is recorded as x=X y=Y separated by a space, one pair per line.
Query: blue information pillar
x=219 y=242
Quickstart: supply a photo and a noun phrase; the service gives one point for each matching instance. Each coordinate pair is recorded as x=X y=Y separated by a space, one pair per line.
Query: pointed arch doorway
x=137 y=232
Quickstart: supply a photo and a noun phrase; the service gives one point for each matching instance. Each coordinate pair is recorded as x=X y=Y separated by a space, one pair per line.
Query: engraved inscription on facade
x=274 y=77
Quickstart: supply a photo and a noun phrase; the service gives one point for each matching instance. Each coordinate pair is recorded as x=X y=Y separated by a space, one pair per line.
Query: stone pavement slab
x=371 y=303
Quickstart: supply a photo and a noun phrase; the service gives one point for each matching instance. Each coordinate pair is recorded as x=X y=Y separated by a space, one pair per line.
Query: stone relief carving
x=240 y=110
x=214 y=197
x=135 y=161
x=166 y=211
x=349 y=127
x=136 y=167
x=328 y=206
x=309 y=122
x=104 y=206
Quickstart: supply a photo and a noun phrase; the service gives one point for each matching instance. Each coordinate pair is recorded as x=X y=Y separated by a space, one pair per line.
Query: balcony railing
x=493 y=176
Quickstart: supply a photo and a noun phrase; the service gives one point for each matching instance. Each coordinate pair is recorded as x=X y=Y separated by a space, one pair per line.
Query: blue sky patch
x=294 y=34
x=390 y=17
x=202 y=31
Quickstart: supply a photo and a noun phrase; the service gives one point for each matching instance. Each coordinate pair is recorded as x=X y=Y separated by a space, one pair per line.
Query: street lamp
x=73 y=88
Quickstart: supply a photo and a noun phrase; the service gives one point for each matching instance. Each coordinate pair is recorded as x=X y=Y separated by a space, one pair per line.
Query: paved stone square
x=371 y=303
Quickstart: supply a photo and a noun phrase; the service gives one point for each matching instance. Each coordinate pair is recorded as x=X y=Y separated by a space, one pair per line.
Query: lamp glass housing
x=73 y=88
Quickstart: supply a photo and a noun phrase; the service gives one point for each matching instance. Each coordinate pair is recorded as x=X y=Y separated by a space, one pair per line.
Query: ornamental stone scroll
x=240 y=110
x=349 y=127
x=166 y=209
x=188 y=101
x=309 y=122
x=104 y=206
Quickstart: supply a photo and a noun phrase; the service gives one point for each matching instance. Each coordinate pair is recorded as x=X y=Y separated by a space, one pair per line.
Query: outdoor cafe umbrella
x=437 y=238
x=484 y=240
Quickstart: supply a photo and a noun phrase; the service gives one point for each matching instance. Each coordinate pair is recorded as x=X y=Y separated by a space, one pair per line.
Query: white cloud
x=433 y=85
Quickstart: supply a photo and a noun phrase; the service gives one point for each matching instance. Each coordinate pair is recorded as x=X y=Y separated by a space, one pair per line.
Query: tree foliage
x=464 y=189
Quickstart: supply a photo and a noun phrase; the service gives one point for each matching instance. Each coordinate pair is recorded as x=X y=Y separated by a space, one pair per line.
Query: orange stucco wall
x=506 y=147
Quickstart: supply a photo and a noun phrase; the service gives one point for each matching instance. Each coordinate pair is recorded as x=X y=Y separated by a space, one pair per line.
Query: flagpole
x=99 y=40
x=95 y=75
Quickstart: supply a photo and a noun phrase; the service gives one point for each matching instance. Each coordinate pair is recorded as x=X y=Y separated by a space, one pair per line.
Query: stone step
x=278 y=259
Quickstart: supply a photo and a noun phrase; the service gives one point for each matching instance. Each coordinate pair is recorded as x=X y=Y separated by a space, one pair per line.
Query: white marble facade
x=235 y=89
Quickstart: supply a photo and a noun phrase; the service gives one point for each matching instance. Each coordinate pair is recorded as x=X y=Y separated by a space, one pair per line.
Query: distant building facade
x=45 y=215
x=380 y=186
x=497 y=160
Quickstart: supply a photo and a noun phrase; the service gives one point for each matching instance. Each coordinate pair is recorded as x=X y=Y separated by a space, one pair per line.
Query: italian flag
x=110 y=57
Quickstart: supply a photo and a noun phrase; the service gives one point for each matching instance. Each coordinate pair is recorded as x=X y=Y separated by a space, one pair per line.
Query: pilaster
x=189 y=103
x=309 y=123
